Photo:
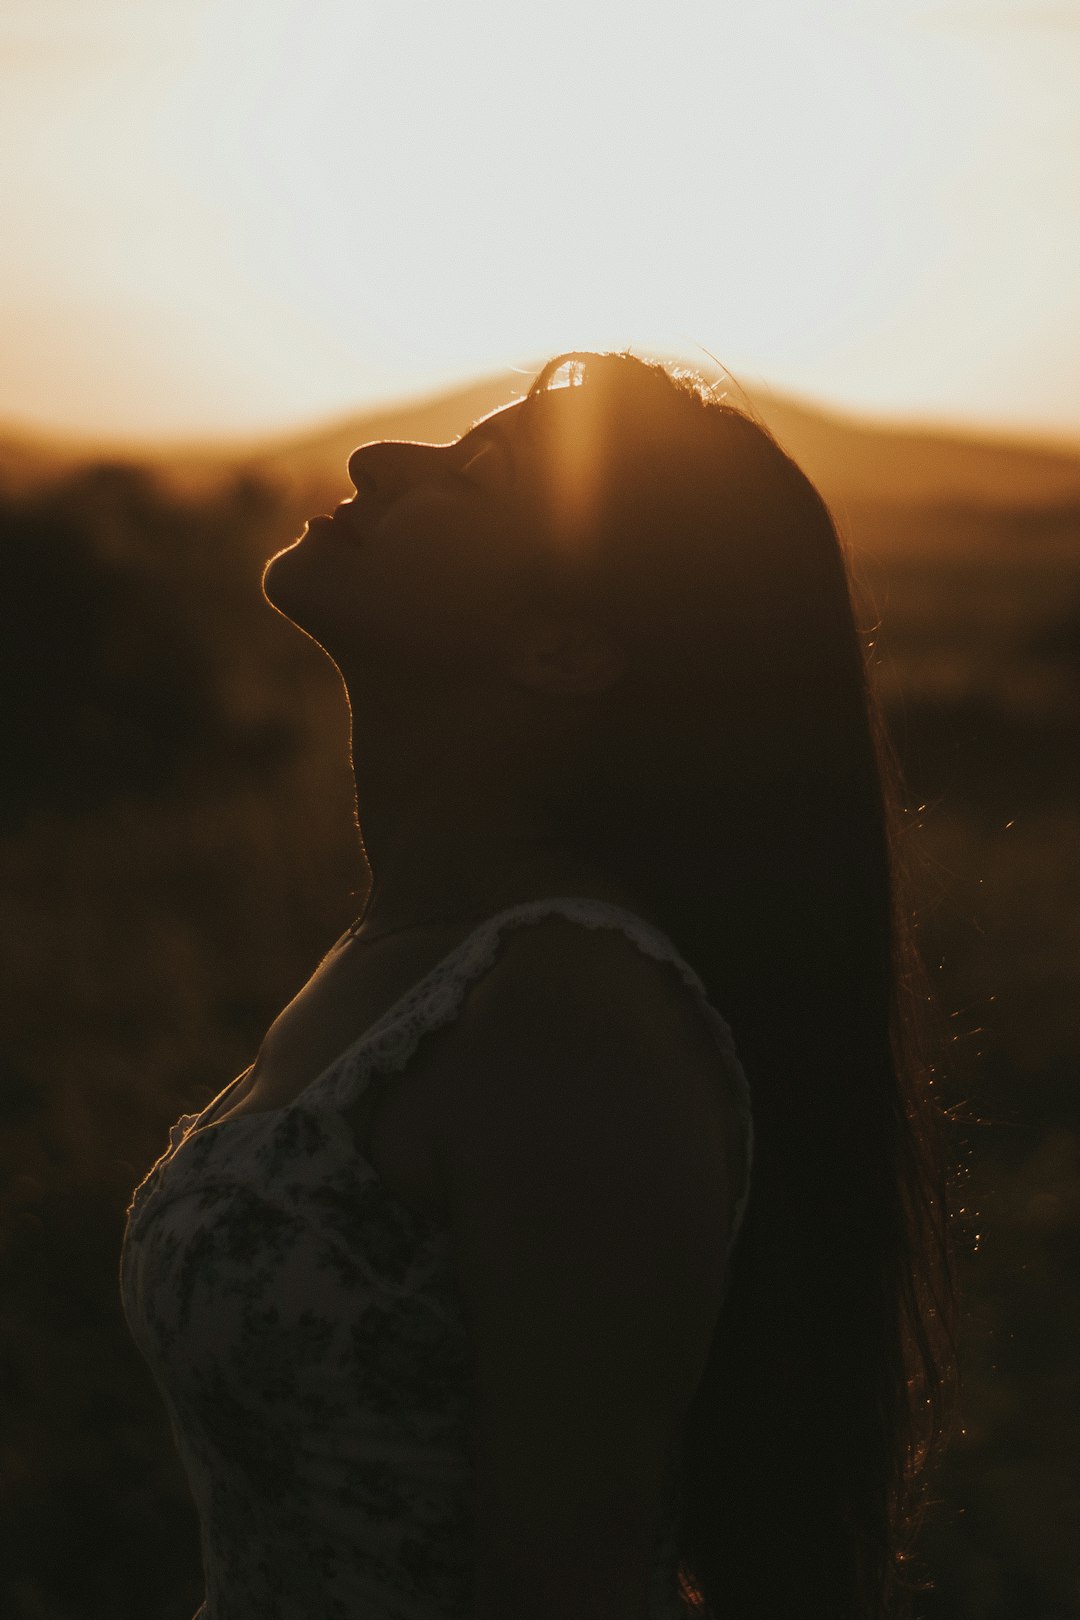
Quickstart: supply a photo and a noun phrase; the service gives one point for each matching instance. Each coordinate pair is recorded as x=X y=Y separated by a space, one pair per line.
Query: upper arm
x=584 y=1167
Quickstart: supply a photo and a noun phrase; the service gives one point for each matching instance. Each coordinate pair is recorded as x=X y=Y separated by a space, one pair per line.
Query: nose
x=361 y=465
x=381 y=465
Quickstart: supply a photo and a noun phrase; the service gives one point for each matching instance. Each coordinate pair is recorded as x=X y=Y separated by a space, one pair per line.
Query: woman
x=458 y=1296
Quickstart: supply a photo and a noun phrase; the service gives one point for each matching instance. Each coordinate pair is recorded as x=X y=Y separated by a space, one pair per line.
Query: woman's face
x=420 y=565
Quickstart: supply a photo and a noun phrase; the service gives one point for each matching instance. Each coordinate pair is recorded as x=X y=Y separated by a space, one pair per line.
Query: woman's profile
x=576 y=1246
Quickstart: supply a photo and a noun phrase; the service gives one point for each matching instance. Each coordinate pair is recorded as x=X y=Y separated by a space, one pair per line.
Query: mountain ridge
x=849 y=456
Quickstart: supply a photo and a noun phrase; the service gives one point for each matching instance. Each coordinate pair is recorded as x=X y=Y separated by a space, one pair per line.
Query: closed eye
x=482 y=450
x=476 y=454
x=461 y=474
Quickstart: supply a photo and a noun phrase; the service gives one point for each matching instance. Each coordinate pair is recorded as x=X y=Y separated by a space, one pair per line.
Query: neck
x=447 y=833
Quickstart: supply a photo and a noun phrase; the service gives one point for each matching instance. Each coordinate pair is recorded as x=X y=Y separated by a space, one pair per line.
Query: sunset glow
x=227 y=219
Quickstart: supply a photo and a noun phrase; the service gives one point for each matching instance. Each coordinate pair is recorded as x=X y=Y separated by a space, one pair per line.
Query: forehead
x=565 y=451
x=548 y=425
x=510 y=421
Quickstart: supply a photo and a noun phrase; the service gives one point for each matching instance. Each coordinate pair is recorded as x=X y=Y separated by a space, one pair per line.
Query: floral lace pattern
x=303 y=1328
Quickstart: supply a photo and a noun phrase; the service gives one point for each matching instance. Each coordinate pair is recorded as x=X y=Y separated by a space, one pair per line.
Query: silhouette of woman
x=512 y=1278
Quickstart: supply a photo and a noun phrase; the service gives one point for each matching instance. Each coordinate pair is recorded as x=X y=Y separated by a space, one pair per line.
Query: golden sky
x=222 y=216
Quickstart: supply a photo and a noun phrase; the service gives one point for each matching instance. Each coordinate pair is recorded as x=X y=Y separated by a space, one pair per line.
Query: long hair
x=739 y=777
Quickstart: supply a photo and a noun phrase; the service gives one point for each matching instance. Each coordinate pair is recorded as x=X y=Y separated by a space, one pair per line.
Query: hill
x=853 y=459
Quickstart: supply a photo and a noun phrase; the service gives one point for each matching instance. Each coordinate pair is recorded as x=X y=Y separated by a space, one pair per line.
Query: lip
x=341 y=522
x=332 y=528
x=350 y=523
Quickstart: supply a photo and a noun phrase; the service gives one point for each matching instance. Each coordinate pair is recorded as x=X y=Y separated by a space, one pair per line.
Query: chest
x=395 y=1120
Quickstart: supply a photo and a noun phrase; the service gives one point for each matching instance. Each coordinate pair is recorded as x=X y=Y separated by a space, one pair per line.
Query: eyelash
x=461 y=476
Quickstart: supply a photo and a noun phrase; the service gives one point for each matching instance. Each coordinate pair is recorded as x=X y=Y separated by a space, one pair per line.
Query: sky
x=228 y=219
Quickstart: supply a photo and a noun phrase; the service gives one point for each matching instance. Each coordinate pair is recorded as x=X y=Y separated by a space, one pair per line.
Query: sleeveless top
x=303 y=1329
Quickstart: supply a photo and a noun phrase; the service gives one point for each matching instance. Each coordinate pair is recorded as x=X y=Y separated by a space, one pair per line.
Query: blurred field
x=177 y=852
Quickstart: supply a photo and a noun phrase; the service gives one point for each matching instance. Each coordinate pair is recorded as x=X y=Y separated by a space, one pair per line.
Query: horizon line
x=229 y=445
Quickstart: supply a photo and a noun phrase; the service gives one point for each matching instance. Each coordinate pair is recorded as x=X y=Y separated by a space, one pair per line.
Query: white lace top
x=303 y=1328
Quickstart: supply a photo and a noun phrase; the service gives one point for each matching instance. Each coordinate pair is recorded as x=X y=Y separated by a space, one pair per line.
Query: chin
x=291 y=587
x=276 y=577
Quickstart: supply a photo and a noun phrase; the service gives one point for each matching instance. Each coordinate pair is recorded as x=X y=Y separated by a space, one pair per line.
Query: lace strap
x=437 y=998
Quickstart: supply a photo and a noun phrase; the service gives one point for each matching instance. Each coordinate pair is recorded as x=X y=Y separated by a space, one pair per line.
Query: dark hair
x=739 y=777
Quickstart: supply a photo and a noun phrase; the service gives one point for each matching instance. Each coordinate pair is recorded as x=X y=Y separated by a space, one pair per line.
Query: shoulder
x=576 y=1037
x=595 y=976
